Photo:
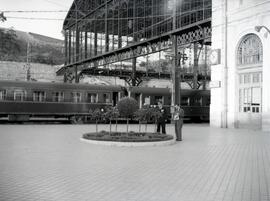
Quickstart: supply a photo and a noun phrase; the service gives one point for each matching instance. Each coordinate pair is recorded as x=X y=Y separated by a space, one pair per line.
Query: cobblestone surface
x=49 y=162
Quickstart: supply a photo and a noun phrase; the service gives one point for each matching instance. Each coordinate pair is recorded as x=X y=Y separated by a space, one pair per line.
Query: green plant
x=97 y=115
x=155 y=115
x=110 y=114
x=90 y=114
x=115 y=115
x=147 y=114
x=140 y=116
x=127 y=107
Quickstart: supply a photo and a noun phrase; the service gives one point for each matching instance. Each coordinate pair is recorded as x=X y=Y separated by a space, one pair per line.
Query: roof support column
x=176 y=95
x=69 y=45
x=133 y=76
x=85 y=42
x=106 y=28
x=66 y=46
x=76 y=44
x=195 y=66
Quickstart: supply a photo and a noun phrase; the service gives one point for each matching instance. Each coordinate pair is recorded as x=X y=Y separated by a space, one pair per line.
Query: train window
x=76 y=97
x=158 y=98
x=39 y=96
x=198 y=101
x=92 y=98
x=57 y=96
x=147 y=100
x=3 y=94
x=19 y=95
x=106 y=97
x=185 y=101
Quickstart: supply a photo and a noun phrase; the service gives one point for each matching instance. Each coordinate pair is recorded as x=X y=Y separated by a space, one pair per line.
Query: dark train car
x=194 y=102
x=21 y=100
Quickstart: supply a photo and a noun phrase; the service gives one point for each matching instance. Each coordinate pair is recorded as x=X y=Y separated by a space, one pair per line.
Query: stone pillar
x=217 y=106
x=266 y=81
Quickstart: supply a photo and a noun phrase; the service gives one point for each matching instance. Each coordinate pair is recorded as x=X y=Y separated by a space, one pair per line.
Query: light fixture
x=258 y=28
x=2 y=17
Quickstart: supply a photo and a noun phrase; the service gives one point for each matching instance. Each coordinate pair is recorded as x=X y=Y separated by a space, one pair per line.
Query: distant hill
x=41 y=49
x=10 y=70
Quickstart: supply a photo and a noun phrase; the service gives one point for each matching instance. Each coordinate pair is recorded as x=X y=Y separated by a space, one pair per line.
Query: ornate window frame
x=249 y=51
x=249 y=71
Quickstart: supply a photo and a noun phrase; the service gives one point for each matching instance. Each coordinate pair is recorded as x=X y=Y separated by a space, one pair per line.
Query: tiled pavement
x=49 y=162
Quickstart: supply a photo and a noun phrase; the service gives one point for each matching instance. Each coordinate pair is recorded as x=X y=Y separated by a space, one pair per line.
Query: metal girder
x=186 y=77
x=140 y=76
x=190 y=34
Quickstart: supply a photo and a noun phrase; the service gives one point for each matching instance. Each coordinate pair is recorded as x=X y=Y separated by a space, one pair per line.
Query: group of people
x=178 y=115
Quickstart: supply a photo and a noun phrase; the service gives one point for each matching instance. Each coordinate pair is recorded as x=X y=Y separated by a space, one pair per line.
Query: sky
x=51 y=28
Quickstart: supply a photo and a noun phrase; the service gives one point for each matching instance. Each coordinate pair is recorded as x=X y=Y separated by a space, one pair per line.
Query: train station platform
x=49 y=162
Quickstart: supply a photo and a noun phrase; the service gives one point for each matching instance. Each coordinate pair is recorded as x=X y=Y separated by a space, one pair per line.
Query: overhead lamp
x=258 y=28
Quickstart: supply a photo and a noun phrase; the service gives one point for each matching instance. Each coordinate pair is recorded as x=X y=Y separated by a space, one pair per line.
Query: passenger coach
x=195 y=103
x=21 y=100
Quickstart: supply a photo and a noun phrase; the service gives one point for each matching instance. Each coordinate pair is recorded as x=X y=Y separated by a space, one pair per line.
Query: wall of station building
x=240 y=93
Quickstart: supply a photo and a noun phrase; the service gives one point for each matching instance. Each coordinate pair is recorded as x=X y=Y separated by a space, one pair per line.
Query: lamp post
x=258 y=28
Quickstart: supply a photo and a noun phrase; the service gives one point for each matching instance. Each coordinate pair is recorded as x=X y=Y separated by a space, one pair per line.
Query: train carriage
x=194 y=102
x=21 y=100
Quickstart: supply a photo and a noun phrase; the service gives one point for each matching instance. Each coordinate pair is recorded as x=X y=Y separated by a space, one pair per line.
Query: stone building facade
x=240 y=71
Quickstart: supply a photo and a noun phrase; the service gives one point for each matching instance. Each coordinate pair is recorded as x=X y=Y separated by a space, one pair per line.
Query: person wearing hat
x=161 y=122
x=178 y=119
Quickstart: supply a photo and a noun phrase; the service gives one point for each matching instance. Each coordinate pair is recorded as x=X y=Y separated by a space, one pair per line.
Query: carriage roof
x=57 y=86
x=166 y=91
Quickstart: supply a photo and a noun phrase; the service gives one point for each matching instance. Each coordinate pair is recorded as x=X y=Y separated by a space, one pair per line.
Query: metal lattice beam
x=184 y=36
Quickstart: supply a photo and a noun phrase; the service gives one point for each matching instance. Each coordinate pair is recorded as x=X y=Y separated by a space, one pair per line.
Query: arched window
x=250 y=50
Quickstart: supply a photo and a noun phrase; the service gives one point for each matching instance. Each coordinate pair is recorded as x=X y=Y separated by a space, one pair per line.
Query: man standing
x=178 y=119
x=162 y=119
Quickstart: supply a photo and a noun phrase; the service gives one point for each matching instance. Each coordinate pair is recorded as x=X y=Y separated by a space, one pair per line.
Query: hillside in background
x=10 y=70
x=41 y=49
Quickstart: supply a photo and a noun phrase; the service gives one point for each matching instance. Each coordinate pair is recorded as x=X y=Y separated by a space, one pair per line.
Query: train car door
x=115 y=98
x=137 y=97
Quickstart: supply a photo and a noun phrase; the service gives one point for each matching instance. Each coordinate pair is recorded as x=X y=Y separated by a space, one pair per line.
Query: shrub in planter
x=147 y=114
x=97 y=115
x=110 y=114
x=140 y=116
x=127 y=107
x=154 y=114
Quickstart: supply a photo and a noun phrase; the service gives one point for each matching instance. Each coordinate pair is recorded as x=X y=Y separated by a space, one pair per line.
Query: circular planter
x=128 y=139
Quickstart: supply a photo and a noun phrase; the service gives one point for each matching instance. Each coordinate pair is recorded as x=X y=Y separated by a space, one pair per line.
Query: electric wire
x=102 y=19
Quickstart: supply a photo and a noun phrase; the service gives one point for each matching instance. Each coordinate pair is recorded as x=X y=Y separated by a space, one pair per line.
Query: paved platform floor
x=50 y=163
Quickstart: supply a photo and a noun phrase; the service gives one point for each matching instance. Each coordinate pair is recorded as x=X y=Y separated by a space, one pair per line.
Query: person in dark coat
x=178 y=119
x=161 y=122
